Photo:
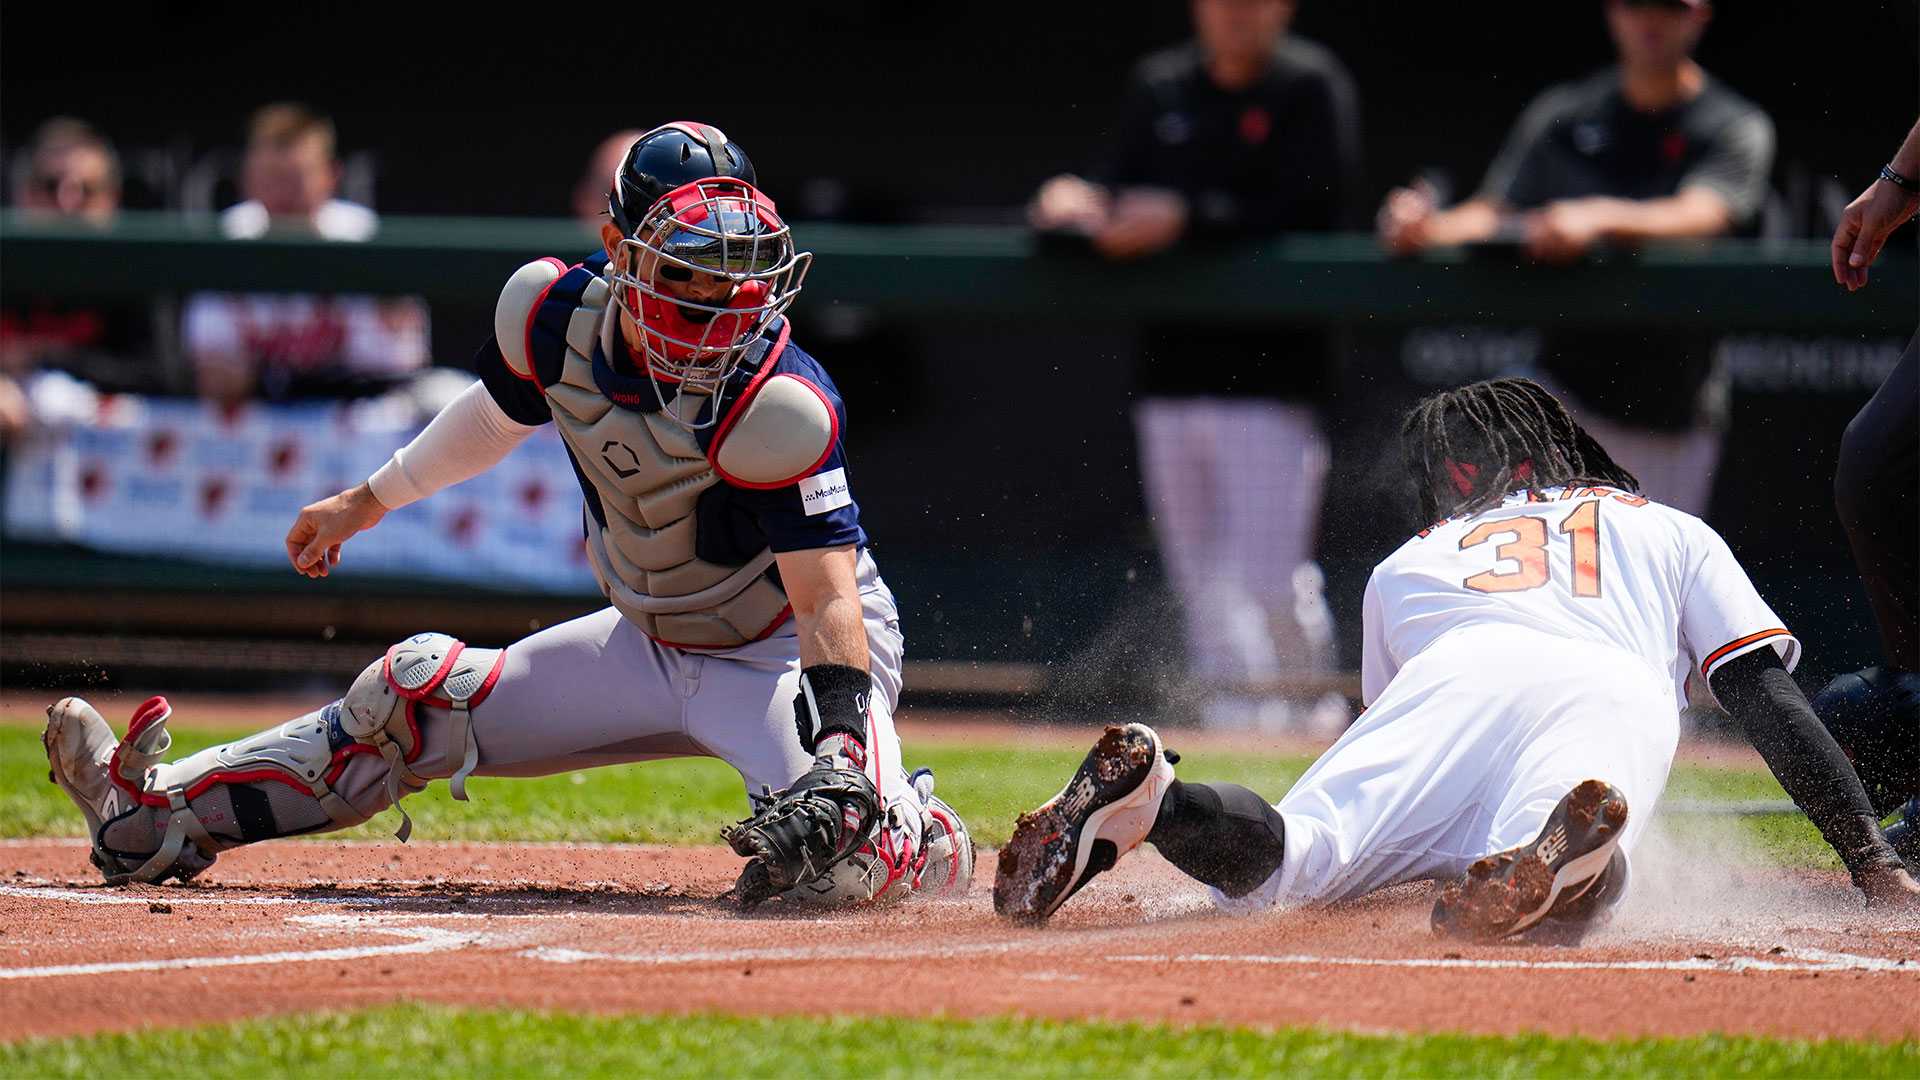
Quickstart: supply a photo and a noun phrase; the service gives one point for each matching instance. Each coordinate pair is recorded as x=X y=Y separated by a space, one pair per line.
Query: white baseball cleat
x=1551 y=877
x=79 y=749
x=81 y=755
x=1103 y=813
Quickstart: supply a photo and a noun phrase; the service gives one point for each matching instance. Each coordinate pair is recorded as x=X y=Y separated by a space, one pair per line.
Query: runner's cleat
x=1504 y=894
x=1103 y=813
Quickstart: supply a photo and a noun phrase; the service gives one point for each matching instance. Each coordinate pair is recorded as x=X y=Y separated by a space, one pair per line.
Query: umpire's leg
x=1874 y=488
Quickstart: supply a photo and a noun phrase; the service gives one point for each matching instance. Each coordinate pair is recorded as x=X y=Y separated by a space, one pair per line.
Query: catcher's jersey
x=1591 y=564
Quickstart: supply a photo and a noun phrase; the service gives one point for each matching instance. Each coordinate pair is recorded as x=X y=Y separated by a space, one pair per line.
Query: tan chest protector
x=648 y=472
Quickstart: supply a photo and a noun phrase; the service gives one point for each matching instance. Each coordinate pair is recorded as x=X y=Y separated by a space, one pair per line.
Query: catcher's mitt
x=797 y=835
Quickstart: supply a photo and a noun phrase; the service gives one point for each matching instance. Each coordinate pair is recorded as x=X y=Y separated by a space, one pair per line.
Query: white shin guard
x=288 y=779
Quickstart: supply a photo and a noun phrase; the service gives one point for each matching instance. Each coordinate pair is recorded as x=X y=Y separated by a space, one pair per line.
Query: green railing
x=935 y=271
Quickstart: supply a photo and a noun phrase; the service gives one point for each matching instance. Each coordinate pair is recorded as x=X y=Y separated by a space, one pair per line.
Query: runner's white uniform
x=1507 y=657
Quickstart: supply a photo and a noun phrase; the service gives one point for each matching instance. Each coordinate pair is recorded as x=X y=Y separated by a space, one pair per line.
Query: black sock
x=1222 y=834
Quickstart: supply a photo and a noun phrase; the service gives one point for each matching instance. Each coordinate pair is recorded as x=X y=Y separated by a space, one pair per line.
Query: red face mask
x=723 y=228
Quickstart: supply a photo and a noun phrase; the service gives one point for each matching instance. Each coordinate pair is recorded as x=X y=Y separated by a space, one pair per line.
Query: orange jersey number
x=1584 y=526
x=1528 y=548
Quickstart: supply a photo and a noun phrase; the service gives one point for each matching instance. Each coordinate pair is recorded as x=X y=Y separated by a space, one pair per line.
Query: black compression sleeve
x=1770 y=708
x=1221 y=834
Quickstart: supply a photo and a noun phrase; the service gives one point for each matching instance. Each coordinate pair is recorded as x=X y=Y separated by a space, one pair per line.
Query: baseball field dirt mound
x=303 y=926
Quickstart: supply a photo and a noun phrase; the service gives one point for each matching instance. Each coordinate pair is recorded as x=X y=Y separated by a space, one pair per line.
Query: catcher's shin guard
x=945 y=867
x=155 y=820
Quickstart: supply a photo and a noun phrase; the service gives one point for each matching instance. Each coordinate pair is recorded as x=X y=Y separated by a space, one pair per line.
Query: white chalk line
x=420 y=939
x=1795 y=960
x=426 y=939
x=322 y=899
x=1792 y=960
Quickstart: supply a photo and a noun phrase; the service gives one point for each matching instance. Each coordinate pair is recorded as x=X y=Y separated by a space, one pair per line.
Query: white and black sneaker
x=1103 y=813
x=1551 y=877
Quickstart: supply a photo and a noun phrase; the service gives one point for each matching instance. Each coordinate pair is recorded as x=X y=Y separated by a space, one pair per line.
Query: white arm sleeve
x=469 y=437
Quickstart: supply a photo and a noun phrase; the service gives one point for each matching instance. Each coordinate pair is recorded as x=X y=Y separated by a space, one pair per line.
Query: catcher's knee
x=381 y=707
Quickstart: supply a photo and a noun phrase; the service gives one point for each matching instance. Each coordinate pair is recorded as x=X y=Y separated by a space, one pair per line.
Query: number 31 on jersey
x=1528 y=549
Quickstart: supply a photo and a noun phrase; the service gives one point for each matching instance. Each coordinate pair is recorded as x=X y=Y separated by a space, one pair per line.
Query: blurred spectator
x=1242 y=133
x=276 y=346
x=1651 y=148
x=72 y=175
x=288 y=179
x=590 y=194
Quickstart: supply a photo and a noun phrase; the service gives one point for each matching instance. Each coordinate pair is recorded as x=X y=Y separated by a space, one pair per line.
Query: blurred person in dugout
x=1652 y=148
x=54 y=351
x=590 y=193
x=286 y=346
x=1242 y=133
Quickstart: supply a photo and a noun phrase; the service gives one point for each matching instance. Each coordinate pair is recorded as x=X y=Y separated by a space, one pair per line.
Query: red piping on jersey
x=739 y=405
x=533 y=367
x=1714 y=657
x=833 y=439
x=779 y=619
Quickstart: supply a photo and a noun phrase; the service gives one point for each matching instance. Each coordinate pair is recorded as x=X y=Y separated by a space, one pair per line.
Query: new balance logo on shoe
x=1078 y=799
x=1554 y=846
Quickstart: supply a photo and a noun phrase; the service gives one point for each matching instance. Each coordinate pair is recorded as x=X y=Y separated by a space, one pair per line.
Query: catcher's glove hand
x=797 y=835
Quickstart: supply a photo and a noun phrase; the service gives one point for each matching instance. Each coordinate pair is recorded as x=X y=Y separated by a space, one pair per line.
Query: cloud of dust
x=1713 y=880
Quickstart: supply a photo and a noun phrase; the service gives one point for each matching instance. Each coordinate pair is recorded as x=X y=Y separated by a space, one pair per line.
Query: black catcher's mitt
x=797 y=835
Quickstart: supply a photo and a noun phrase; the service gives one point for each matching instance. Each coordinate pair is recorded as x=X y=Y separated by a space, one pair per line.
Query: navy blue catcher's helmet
x=666 y=158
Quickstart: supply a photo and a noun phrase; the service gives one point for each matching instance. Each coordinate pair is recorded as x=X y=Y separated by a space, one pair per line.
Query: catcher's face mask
x=703 y=277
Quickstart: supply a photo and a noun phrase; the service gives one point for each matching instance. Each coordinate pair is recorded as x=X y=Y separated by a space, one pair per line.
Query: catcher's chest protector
x=648 y=473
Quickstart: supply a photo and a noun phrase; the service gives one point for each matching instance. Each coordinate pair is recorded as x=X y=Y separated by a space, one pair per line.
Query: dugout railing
x=1030 y=578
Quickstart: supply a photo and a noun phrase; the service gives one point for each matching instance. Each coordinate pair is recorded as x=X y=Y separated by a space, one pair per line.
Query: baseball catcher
x=747 y=620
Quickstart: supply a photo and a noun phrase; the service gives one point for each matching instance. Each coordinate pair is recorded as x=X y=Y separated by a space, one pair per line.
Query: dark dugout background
x=1024 y=539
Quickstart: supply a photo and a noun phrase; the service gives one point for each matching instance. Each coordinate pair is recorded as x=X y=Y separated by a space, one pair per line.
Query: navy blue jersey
x=735 y=521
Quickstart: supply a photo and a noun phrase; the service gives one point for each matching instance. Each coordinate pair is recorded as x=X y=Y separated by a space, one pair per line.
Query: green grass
x=686 y=801
x=421 y=1042
x=675 y=802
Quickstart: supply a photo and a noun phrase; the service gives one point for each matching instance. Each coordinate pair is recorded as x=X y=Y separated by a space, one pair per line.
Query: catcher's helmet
x=669 y=157
x=685 y=206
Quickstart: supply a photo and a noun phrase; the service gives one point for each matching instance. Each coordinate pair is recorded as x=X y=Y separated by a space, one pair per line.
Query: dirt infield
x=299 y=926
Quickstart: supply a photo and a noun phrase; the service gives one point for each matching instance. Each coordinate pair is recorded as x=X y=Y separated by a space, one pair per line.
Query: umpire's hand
x=313 y=544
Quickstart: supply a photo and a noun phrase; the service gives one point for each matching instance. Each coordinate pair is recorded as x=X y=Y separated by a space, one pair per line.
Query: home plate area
x=296 y=927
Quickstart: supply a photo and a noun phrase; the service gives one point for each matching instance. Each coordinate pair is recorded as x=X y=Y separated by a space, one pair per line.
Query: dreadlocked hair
x=1488 y=431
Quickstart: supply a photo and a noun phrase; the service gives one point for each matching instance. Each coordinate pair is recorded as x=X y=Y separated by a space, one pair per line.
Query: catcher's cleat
x=1103 y=813
x=79 y=748
x=1504 y=894
x=82 y=753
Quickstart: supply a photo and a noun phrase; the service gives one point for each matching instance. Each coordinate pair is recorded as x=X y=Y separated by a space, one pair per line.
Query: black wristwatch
x=1905 y=184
